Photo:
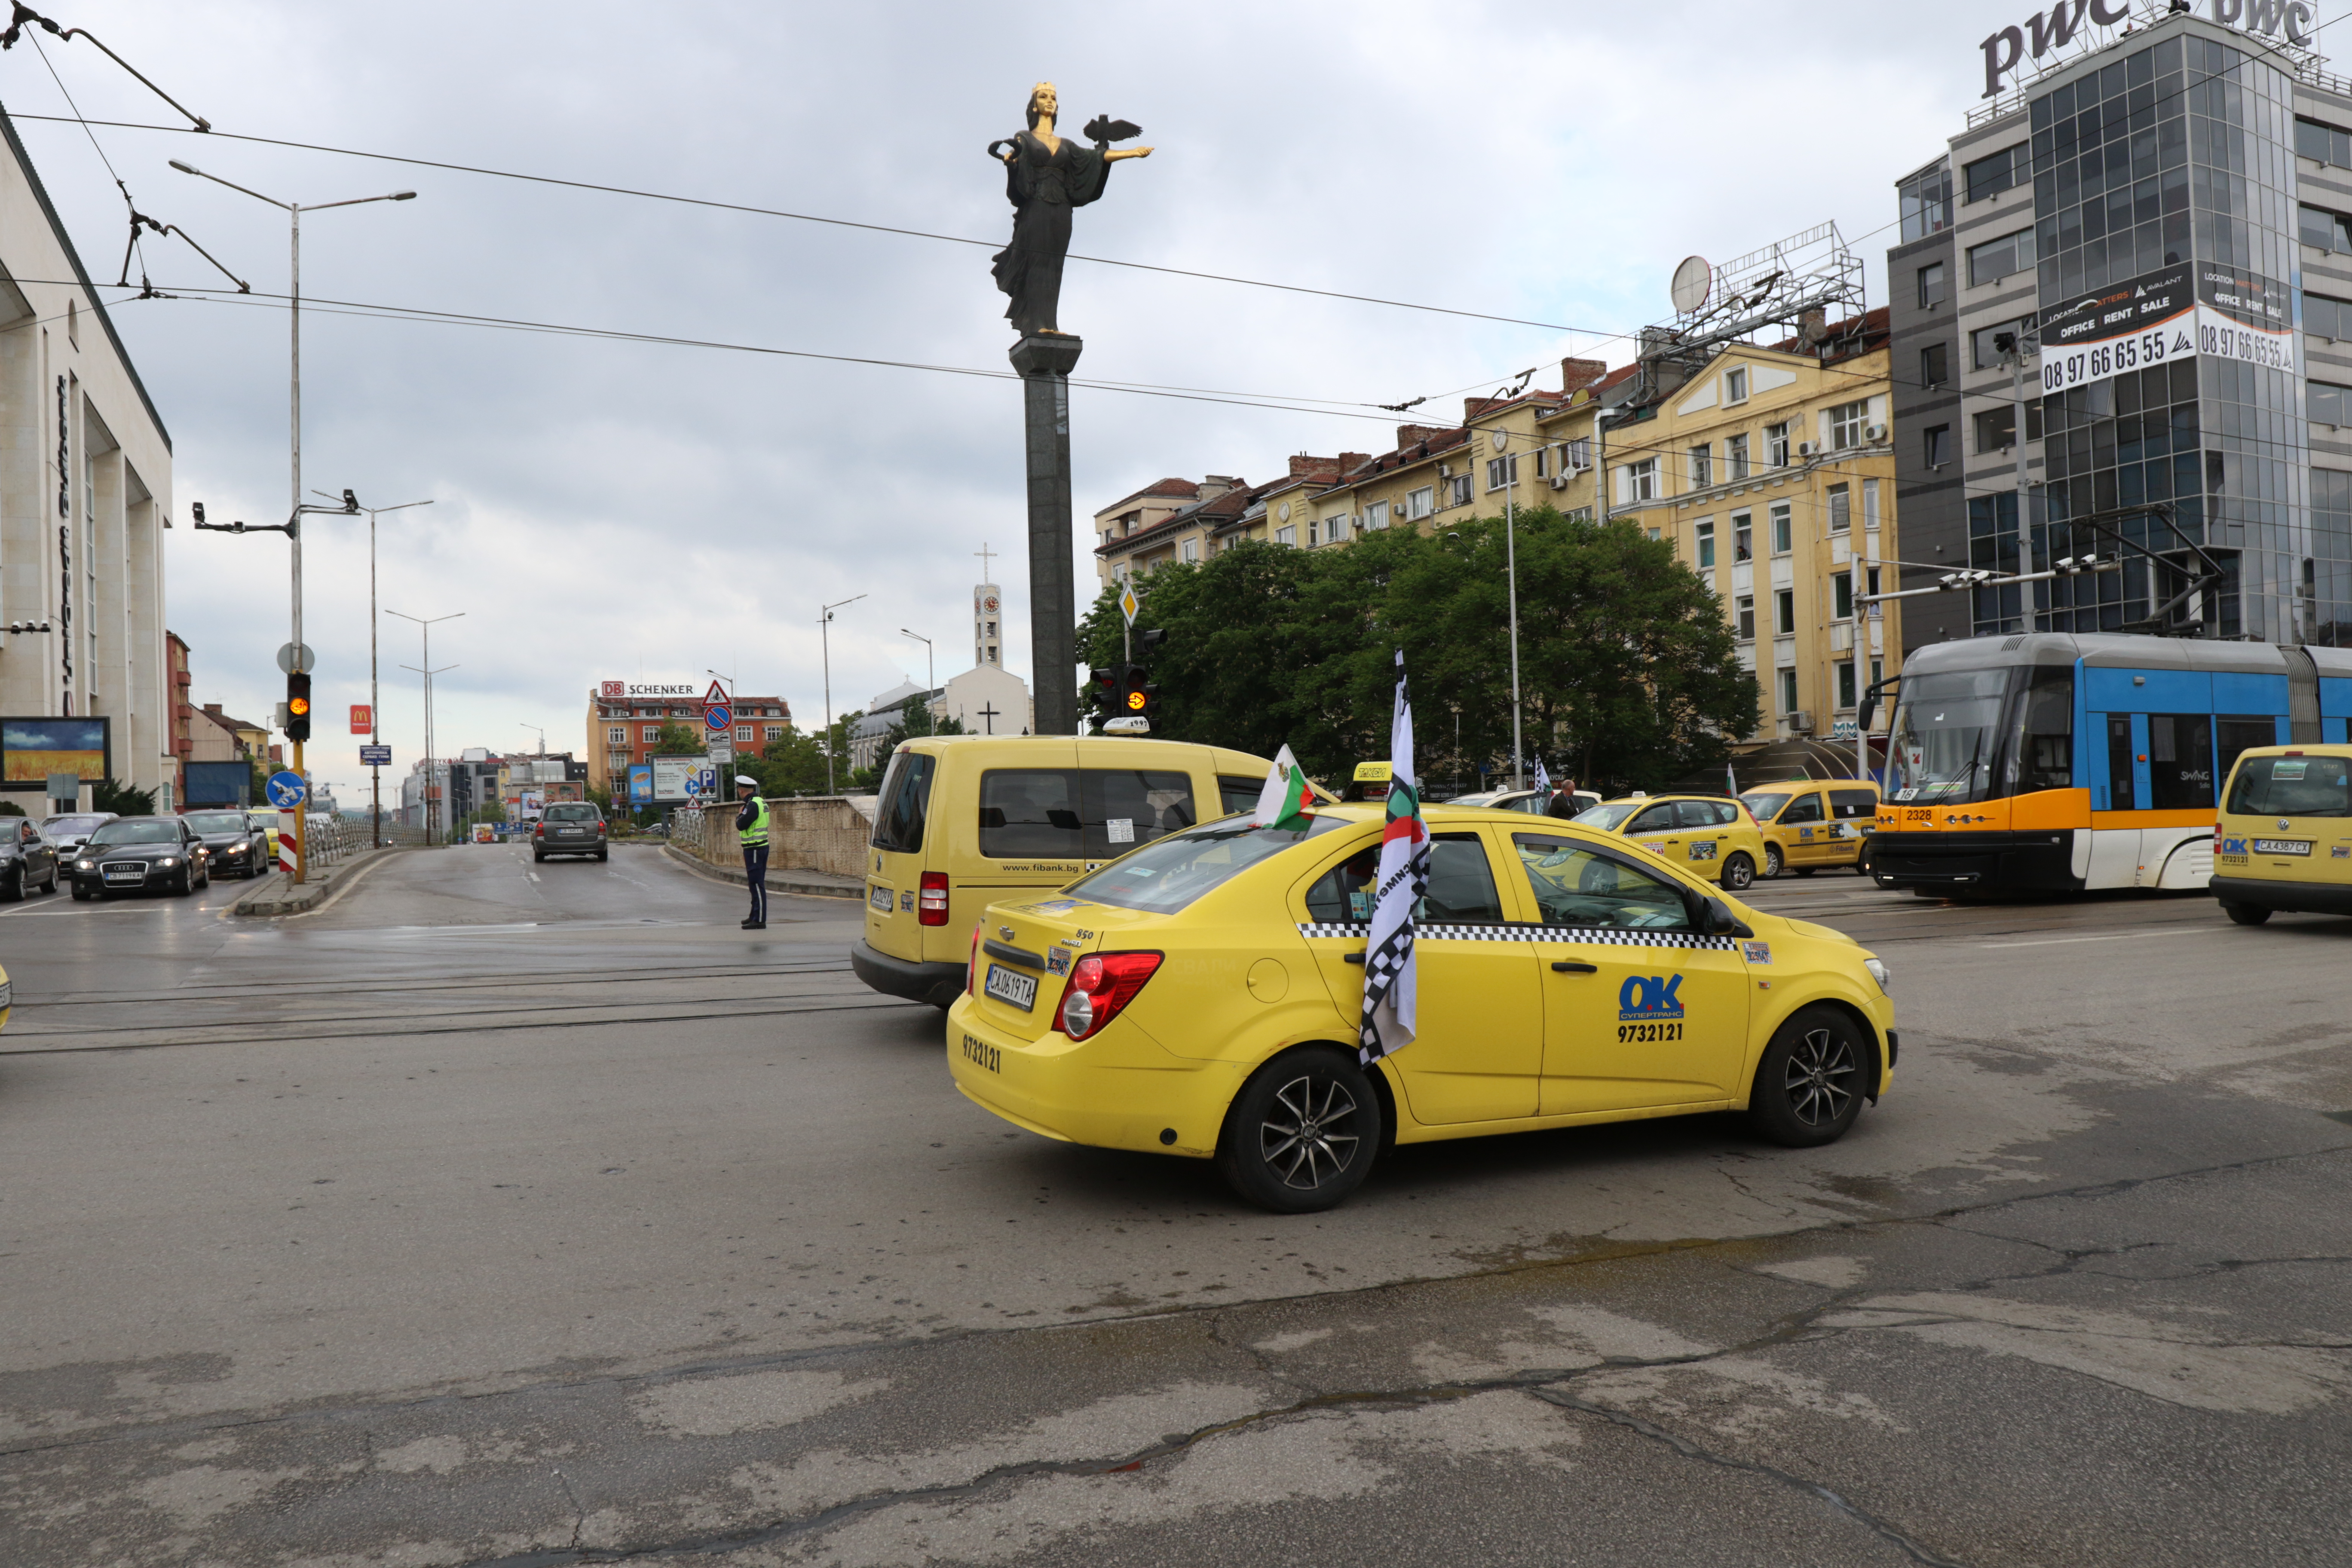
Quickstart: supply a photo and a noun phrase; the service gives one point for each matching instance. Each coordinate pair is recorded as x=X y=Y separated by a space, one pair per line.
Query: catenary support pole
x=1045 y=364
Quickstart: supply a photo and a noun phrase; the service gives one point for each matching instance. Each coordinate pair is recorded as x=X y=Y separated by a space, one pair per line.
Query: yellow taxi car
x=2283 y=838
x=1808 y=824
x=1201 y=997
x=1710 y=835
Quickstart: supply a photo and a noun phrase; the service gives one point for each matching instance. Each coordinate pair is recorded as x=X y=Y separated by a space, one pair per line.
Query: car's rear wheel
x=1738 y=871
x=1302 y=1133
x=1810 y=1082
x=2246 y=914
x=1773 y=861
x=1807 y=870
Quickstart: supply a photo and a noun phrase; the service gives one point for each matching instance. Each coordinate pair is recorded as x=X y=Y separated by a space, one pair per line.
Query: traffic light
x=297 y=707
x=1152 y=639
x=1108 y=681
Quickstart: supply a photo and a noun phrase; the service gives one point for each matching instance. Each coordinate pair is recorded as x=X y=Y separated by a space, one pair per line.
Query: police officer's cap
x=746 y=779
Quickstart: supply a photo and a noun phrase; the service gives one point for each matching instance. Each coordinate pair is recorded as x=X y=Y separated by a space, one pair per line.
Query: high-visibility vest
x=756 y=836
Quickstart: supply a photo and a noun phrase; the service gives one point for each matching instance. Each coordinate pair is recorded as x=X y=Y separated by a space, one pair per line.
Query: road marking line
x=2113 y=936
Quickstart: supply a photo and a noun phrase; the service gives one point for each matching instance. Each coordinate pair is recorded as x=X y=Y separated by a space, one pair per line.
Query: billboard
x=2187 y=310
x=31 y=749
x=641 y=785
x=680 y=778
x=662 y=691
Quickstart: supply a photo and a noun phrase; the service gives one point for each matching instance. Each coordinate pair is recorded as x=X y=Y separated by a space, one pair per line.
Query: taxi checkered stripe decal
x=1599 y=936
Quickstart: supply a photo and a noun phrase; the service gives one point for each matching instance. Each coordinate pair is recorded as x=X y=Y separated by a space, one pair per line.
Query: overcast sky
x=623 y=510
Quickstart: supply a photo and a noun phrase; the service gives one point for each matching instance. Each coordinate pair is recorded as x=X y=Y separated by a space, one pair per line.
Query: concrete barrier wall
x=821 y=833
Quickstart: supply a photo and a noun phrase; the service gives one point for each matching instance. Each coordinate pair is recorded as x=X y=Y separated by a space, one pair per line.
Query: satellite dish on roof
x=1692 y=279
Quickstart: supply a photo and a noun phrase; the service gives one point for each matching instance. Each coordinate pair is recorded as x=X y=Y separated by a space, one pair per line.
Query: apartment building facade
x=2166 y=220
x=626 y=719
x=1772 y=473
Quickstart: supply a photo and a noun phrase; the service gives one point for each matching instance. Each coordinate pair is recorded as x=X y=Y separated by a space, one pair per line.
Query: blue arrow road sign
x=287 y=790
x=375 y=756
x=717 y=719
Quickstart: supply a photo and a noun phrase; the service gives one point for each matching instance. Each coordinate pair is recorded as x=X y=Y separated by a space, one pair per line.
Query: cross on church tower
x=985 y=554
x=990 y=715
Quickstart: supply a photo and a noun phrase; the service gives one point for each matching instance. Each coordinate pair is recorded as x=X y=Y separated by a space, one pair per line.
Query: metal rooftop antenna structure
x=1807 y=280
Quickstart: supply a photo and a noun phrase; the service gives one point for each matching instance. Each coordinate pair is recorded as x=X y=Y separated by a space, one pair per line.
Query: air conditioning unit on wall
x=1876 y=432
x=1801 y=723
x=1807 y=448
x=1559 y=481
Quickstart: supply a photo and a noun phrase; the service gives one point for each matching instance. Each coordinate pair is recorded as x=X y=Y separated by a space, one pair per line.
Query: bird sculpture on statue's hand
x=1102 y=130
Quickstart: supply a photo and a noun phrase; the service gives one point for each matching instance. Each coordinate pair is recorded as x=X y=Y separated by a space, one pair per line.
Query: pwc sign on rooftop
x=2047 y=30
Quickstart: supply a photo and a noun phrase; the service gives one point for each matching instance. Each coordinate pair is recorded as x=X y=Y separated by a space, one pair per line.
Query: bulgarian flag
x=1284 y=801
x=1391 y=977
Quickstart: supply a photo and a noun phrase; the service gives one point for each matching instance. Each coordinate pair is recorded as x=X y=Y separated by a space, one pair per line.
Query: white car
x=1531 y=801
x=67 y=831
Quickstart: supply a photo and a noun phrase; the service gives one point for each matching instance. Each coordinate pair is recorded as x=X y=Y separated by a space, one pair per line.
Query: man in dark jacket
x=751 y=830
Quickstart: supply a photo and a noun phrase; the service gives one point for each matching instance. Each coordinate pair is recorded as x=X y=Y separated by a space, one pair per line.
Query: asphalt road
x=509 y=1213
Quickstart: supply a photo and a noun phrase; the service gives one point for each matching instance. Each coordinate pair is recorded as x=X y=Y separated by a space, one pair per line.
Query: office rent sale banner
x=2189 y=311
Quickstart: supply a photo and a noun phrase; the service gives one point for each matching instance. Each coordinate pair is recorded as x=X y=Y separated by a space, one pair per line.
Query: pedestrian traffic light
x=297 y=707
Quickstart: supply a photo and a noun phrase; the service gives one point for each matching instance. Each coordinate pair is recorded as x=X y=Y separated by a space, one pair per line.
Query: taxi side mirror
x=1716 y=919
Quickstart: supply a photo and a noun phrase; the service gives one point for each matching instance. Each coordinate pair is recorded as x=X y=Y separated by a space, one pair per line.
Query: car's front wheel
x=1738 y=871
x=1303 y=1132
x=83 y=892
x=13 y=891
x=1810 y=1085
x=1773 y=861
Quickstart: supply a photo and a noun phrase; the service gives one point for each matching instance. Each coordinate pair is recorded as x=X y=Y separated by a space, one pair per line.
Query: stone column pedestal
x=1044 y=365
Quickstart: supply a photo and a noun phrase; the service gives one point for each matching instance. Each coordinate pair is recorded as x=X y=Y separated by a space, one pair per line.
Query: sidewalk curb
x=278 y=896
x=778 y=882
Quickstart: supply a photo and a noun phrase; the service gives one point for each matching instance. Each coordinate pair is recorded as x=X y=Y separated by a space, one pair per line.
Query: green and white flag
x=1284 y=801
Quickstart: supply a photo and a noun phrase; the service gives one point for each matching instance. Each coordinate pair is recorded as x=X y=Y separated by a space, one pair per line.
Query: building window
x=1192 y=549
x=1927 y=202
x=1420 y=503
x=1846 y=421
x=1743 y=535
x=1743 y=610
x=1935 y=366
x=2327 y=230
x=618 y=735
x=1782 y=542
x=742 y=734
x=1458 y=490
x=1657 y=534
x=652 y=733
x=2326 y=318
x=1990 y=176
x=1775 y=446
x=2324 y=143
x=1788 y=691
x=1638 y=481
x=1934 y=287
x=1842 y=602
x=1846 y=684
x=1997 y=427
x=1376 y=516
x=1706 y=531
x=2328 y=404
x=1580 y=452
x=1702 y=466
x=1287 y=534
x=1840 y=500
x=1502 y=471
x=1582 y=514
x=1984 y=353
x=1734 y=457
x=775 y=733
x=1784 y=612
x=1938 y=442
x=1735 y=385
x=1997 y=258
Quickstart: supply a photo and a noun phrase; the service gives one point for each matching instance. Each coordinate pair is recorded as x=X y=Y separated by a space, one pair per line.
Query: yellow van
x=2283 y=839
x=966 y=821
x=1811 y=822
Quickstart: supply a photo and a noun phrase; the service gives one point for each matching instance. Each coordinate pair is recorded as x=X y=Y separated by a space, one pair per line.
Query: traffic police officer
x=752 y=829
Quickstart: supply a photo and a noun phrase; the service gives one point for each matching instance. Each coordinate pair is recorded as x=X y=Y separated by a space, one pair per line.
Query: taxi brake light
x=1100 y=986
x=931 y=903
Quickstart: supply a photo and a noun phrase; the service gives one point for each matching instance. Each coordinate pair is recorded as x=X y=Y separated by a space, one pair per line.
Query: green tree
x=114 y=796
x=911 y=723
x=1629 y=674
x=677 y=739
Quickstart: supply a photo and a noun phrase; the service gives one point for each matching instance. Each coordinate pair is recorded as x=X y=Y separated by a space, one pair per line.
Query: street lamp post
x=428 y=672
x=931 y=681
x=825 y=642
x=375 y=717
x=294 y=520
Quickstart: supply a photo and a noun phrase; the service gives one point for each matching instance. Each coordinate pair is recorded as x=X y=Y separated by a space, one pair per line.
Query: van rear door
x=895 y=858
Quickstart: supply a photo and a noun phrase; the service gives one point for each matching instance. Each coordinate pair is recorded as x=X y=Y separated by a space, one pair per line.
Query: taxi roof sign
x=1374 y=772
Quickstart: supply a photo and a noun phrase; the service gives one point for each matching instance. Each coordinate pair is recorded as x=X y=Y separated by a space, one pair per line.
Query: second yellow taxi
x=1201 y=997
x=1709 y=836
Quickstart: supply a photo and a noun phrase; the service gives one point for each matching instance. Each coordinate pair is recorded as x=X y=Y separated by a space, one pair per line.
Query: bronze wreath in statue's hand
x=1005 y=156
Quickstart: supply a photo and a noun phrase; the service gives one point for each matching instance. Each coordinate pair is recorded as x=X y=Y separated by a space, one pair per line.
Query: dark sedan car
x=132 y=854
x=27 y=860
x=238 y=845
x=569 y=828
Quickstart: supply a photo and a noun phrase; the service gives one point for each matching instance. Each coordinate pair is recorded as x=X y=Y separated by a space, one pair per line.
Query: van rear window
x=905 y=802
x=1074 y=814
x=2291 y=786
x=1238 y=794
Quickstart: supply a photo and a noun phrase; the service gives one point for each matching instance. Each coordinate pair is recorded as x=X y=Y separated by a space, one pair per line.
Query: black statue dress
x=1043 y=187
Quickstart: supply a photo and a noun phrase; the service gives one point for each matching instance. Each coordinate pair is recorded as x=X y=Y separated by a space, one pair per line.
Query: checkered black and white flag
x=1391 y=976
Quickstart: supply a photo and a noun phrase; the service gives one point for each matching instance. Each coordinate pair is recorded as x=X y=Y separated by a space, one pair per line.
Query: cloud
x=605 y=508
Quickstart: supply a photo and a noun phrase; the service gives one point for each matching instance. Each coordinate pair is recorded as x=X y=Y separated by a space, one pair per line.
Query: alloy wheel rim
x=1816 y=1082
x=1304 y=1139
